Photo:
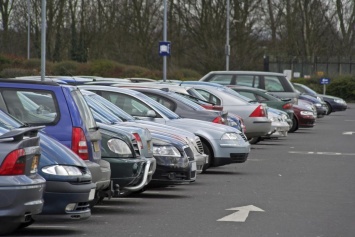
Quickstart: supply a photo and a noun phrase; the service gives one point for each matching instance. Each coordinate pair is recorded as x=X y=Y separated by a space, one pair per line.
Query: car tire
x=329 y=108
x=254 y=140
x=207 y=151
x=294 y=125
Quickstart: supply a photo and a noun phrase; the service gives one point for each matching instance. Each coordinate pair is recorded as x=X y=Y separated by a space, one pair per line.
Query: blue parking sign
x=324 y=81
x=164 y=48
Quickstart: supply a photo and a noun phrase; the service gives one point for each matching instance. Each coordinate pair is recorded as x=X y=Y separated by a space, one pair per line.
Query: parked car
x=222 y=143
x=304 y=117
x=67 y=118
x=320 y=106
x=21 y=187
x=262 y=96
x=122 y=119
x=253 y=114
x=125 y=150
x=275 y=83
x=333 y=103
x=184 y=107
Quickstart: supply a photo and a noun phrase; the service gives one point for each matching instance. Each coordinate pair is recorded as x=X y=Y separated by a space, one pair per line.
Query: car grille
x=189 y=153
x=243 y=136
x=199 y=145
x=82 y=206
x=136 y=147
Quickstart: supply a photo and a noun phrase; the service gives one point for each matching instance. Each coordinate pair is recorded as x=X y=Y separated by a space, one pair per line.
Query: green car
x=262 y=96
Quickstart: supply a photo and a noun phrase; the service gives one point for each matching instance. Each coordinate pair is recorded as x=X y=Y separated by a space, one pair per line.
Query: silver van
x=275 y=83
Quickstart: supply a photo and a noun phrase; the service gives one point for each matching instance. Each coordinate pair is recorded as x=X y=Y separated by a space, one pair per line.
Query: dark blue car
x=64 y=112
x=68 y=187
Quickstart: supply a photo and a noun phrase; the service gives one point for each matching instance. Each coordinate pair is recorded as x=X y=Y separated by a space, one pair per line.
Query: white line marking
x=348 y=133
x=322 y=153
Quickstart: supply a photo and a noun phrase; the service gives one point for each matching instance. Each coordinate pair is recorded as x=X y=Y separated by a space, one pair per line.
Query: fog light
x=70 y=207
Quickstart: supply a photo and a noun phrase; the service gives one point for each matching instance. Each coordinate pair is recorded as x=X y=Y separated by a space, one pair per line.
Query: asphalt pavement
x=301 y=185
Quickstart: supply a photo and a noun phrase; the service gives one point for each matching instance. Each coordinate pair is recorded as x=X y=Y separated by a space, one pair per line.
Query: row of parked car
x=70 y=142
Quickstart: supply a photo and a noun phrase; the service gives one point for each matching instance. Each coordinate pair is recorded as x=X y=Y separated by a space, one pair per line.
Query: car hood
x=329 y=97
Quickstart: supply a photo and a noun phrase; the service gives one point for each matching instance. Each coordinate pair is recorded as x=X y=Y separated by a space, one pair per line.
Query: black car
x=333 y=103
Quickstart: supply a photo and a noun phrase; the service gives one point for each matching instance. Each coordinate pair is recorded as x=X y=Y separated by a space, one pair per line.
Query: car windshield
x=9 y=122
x=112 y=107
x=161 y=108
x=234 y=93
x=101 y=113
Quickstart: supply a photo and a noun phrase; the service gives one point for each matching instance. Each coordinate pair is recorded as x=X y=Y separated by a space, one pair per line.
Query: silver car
x=223 y=144
x=254 y=115
x=21 y=187
x=128 y=122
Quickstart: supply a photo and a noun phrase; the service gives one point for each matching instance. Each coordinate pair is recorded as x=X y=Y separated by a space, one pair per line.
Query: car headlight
x=231 y=136
x=64 y=170
x=339 y=101
x=306 y=113
x=119 y=147
x=167 y=154
x=318 y=105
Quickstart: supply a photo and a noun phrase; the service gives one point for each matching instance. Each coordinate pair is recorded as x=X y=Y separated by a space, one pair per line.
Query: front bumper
x=230 y=152
x=279 y=129
x=58 y=195
x=171 y=175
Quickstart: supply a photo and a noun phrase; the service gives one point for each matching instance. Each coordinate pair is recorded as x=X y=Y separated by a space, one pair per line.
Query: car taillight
x=218 y=119
x=79 y=144
x=258 y=112
x=287 y=106
x=212 y=107
x=139 y=140
x=14 y=163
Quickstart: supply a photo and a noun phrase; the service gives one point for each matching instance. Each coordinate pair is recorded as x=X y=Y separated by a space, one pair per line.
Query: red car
x=303 y=118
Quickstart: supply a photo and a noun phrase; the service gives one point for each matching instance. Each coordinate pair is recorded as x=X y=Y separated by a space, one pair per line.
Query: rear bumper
x=19 y=201
x=101 y=173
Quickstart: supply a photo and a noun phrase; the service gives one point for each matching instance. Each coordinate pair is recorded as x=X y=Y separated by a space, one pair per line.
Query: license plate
x=34 y=165
x=92 y=194
x=193 y=166
x=96 y=146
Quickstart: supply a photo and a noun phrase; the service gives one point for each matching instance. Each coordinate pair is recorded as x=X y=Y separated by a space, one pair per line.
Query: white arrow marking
x=348 y=133
x=241 y=214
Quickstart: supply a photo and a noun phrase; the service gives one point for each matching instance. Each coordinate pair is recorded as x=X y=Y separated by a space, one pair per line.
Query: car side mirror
x=151 y=114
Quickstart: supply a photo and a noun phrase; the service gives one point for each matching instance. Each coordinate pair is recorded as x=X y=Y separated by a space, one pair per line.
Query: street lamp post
x=227 y=37
x=165 y=39
x=43 y=40
x=28 y=27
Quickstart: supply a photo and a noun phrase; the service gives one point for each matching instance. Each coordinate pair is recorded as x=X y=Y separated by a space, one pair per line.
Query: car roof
x=34 y=80
x=248 y=73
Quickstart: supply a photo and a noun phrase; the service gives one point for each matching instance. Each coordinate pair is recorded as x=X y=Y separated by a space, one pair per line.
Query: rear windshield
x=84 y=110
x=31 y=106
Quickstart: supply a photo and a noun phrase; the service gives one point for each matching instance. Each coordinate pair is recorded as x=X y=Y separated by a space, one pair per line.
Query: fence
x=306 y=67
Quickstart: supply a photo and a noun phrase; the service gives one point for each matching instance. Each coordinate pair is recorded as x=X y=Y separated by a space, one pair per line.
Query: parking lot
x=301 y=185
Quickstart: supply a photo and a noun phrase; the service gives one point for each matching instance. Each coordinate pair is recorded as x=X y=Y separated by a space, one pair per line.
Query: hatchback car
x=222 y=143
x=21 y=187
x=64 y=112
x=275 y=83
x=68 y=188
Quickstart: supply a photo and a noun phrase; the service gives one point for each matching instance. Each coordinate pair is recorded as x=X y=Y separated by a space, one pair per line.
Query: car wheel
x=329 y=108
x=294 y=125
x=254 y=140
x=207 y=151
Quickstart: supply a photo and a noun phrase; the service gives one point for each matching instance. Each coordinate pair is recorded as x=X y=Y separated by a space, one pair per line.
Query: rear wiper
x=94 y=128
x=24 y=125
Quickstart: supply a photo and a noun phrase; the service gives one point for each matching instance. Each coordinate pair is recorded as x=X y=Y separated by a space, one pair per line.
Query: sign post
x=324 y=81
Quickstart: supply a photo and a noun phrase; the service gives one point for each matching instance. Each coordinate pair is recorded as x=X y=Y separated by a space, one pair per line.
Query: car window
x=247 y=80
x=273 y=83
x=248 y=94
x=209 y=97
x=222 y=79
x=164 y=101
x=84 y=110
x=19 y=105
